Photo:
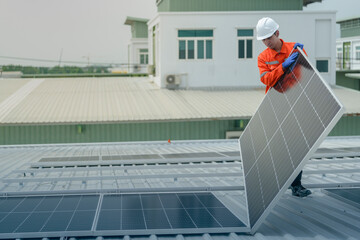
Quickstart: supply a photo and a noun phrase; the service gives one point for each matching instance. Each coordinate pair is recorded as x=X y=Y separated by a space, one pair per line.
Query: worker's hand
x=298 y=45
x=290 y=60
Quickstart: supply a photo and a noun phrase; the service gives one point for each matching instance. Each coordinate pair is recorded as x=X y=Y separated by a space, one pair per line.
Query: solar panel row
x=139 y=156
x=167 y=211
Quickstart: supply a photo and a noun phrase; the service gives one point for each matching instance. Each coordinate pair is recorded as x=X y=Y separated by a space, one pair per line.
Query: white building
x=138 y=48
x=348 y=54
x=348 y=45
x=219 y=48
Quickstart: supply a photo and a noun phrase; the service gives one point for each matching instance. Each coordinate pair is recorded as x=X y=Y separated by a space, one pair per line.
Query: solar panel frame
x=258 y=159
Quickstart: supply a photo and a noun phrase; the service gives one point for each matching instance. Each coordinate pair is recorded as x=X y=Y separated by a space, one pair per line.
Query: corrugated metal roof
x=316 y=217
x=101 y=100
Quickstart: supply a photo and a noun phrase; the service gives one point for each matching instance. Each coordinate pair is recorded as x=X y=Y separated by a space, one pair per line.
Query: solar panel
x=348 y=195
x=33 y=216
x=289 y=125
x=165 y=213
x=69 y=159
x=131 y=157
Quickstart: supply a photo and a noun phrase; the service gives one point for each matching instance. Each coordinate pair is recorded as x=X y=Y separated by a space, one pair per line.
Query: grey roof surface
x=191 y=166
x=112 y=100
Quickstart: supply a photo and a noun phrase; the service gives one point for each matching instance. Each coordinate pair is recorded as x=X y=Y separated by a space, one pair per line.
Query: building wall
x=228 y=5
x=119 y=132
x=347 y=126
x=139 y=30
x=225 y=69
x=162 y=131
x=350 y=27
x=348 y=61
x=344 y=81
x=134 y=61
x=350 y=32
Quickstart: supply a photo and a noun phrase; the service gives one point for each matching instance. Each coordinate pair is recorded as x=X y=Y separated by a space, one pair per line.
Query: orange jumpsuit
x=270 y=63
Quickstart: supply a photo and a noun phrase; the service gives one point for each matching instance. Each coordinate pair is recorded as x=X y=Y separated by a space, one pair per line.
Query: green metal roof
x=131 y=20
x=306 y=2
x=230 y=5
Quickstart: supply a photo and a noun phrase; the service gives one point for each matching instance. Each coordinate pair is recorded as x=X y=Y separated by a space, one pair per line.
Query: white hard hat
x=266 y=27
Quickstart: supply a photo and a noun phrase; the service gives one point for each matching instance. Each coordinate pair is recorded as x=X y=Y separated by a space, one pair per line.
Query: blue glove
x=290 y=60
x=298 y=45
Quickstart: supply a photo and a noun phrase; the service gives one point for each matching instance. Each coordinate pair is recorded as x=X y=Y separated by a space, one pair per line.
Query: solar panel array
x=114 y=214
x=290 y=123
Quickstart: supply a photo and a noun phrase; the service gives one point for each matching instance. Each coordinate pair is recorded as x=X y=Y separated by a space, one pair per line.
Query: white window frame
x=195 y=39
x=146 y=56
x=245 y=45
x=339 y=57
x=357 y=52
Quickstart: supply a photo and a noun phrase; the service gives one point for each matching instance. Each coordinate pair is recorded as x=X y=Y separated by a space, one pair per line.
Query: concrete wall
x=225 y=69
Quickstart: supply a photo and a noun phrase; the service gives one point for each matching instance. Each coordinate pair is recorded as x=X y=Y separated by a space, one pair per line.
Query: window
x=339 y=57
x=144 y=56
x=245 y=43
x=195 y=44
x=357 y=53
x=322 y=65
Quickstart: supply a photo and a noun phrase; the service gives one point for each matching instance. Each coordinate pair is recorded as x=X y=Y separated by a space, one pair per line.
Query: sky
x=88 y=30
x=76 y=30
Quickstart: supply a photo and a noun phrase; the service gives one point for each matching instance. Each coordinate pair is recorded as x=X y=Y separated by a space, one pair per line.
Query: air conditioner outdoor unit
x=173 y=79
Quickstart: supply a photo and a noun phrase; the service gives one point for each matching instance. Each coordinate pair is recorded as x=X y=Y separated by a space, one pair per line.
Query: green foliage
x=54 y=70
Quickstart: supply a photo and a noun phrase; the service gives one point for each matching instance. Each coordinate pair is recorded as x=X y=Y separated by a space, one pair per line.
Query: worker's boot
x=300 y=191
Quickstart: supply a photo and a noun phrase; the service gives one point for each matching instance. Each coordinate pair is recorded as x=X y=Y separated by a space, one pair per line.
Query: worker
x=273 y=63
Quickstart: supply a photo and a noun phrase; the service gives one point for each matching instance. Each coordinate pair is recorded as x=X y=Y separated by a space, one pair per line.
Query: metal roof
x=190 y=166
x=106 y=100
x=131 y=20
x=347 y=19
x=306 y=2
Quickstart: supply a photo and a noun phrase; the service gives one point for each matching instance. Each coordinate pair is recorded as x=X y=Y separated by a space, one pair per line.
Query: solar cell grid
x=47 y=213
x=164 y=211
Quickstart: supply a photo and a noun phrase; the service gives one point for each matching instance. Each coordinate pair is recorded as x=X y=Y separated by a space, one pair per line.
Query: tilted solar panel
x=289 y=125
